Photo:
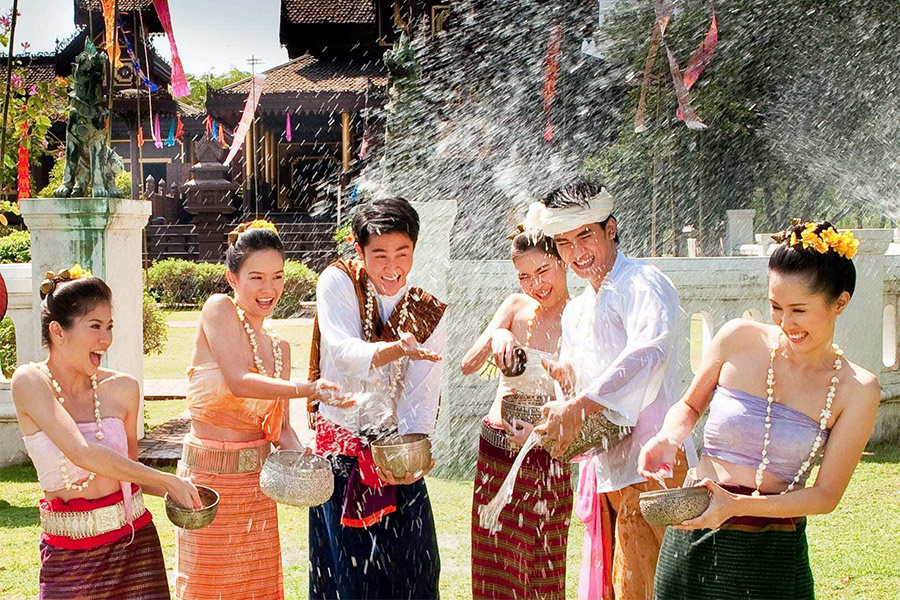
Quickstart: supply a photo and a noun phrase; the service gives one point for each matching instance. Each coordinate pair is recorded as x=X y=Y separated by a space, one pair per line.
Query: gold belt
x=224 y=462
x=90 y=523
x=496 y=438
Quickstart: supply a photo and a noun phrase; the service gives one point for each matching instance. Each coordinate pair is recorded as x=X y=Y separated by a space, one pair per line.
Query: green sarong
x=748 y=558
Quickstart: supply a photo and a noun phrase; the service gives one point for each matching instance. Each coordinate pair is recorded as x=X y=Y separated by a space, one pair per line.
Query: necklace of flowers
x=276 y=345
x=63 y=470
x=823 y=418
x=399 y=366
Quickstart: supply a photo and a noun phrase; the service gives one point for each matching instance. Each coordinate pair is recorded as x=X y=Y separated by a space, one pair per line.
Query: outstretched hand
x=563 y=373
x=414 y=351
x=330 y=393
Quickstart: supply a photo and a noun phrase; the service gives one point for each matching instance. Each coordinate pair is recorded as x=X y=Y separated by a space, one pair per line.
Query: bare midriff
x=208 y=431
x=727 y=472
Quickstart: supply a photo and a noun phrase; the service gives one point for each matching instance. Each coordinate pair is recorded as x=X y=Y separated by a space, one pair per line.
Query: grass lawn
x=176 y=356
x=853 y=550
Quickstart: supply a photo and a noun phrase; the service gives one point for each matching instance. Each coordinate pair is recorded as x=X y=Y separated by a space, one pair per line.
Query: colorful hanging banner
x=23 y=185
x=702 y=55
x=551 y=66
x=256 y=88
x=157 y=138
x=109 y=20
x=222 y=141
x=215 y=130
x=140 y=135
x=135 y=63
x=179 y=128
x=170 y=141
x=207 y=122
x=287 y=126
x=180 y=85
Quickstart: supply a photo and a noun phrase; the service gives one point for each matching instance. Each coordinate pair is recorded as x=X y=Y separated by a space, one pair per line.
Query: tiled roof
x=304 y=12
x=36 y=69
x=308 y=74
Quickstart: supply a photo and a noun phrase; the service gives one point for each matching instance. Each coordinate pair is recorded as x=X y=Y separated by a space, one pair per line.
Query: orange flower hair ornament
x=845 y=244
x=51 y=279
x=256 y=224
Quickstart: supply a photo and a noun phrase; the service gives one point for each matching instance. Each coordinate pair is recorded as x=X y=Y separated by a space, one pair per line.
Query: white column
x=104 y=235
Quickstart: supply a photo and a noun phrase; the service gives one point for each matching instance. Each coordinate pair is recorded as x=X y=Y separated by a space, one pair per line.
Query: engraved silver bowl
x=402 y=454
x=297 y=478
x=191 y=518
x=597 y=432
x=673 y=506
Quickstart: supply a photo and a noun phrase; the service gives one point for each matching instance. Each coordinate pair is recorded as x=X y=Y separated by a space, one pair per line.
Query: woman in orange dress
x=239 y=382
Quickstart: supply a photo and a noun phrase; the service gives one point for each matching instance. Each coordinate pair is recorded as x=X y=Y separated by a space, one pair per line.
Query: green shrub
x=122 y=181
x=156 y=332
x=299 y=287
x=16 y=247
x=174 y=281
x=7 y=347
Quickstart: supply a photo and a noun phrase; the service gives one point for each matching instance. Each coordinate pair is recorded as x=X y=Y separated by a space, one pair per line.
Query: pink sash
x=595 y=581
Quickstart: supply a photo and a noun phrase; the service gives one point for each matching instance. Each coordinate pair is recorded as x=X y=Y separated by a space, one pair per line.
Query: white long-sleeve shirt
x=620 y=342
x=346 y=359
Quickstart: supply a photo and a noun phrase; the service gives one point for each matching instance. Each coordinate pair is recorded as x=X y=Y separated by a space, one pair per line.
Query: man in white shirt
x=618 y=357
x=381 y=340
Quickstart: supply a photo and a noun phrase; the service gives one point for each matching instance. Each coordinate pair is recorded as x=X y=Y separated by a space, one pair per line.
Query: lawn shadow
x=23 y=473
x=18 y=516
x=884 y=453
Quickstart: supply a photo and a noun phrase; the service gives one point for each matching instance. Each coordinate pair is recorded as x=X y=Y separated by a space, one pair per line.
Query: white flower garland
x=276 y=345
x=398 y=366
x=63 y=470
x=823 y=418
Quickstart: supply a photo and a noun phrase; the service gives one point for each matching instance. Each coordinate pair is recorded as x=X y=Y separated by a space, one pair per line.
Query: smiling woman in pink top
x=80 y=427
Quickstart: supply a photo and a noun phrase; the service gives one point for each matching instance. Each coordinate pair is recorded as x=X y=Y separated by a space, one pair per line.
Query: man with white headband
x=618 y=357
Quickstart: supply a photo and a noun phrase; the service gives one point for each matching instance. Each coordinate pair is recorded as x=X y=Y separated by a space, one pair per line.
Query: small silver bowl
x=191 y=518
x=402 y=454
x=673 y=506
x=297 y=478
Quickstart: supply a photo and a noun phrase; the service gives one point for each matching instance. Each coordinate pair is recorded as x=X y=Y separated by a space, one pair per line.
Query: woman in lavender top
x=780 y=397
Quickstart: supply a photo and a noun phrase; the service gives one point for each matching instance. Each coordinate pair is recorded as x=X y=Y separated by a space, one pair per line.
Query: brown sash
x=425 y=313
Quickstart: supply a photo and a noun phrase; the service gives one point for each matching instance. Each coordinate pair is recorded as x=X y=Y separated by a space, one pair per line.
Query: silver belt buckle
x=106 y=519
x=248 y=459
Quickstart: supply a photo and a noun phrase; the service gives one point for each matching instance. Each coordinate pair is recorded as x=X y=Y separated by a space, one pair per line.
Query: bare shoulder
x=514 y=303
x=741 y=333
x=862 y=385
x=27 y=376
x=217 y=304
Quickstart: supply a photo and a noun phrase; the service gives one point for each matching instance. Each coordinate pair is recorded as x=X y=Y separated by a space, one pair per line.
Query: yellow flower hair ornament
x=51 y=279
x=256 y=224
x=845 y=244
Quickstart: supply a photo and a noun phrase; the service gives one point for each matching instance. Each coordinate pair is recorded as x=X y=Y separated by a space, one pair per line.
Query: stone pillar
x=209 y=197
x=106 y=236
x=738 y=230
x=860 y=329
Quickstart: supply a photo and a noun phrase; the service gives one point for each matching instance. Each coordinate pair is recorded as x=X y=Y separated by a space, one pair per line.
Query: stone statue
x=89 y=160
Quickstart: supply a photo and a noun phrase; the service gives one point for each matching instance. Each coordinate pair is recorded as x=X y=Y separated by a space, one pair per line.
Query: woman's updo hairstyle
x=248 y=238
x=69 y=296
x=819 y=253
x=526 y=241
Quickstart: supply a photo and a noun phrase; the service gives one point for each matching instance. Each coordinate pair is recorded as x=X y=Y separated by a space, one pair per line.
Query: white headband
x=553 y=221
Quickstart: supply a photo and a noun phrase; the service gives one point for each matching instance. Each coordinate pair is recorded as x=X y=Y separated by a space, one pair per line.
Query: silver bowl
x=597 y=432
x=402 y=454
x=297 y=478
x=674 y=506
x=194 y=518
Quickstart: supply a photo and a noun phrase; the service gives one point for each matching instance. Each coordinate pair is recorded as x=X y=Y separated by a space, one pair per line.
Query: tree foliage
x=200 y=83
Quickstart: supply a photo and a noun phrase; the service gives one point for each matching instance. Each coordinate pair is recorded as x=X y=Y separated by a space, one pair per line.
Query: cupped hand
x=414 y=351
x=563 y=373
x=722 y=505
x=330 y=393
x=657 y=457
x=517 y=431
x=388 y=476
x=184 y=493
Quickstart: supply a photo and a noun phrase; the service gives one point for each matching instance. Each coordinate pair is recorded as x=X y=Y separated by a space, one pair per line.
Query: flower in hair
x=51 y=279
x=844 y=244
x=255 y=224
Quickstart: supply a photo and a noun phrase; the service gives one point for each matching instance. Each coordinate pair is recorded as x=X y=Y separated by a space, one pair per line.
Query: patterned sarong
x=121 y=569
x=747 y=557
x=527 y=557
x=238 y=556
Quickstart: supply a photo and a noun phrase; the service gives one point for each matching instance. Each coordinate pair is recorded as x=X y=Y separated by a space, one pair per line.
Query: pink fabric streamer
x=594 y=582
x=180 y=85
x=702 y=56
x=157 y=138
x=686 y=112
x=256 y=87
x=287 y=126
